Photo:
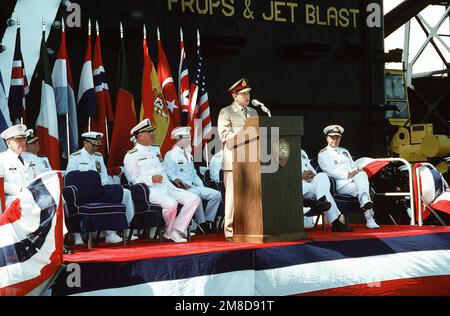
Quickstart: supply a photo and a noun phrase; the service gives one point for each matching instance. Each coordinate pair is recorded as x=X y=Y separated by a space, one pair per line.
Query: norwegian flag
x=183 y=82
x=104 y=108
x=19 y=84
x=87 y=104
x=200 y=116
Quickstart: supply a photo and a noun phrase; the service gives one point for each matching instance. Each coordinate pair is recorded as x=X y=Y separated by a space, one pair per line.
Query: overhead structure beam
x=404 y=12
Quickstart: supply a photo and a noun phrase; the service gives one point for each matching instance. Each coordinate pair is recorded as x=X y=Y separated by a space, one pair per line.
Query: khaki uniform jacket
x=231 y=120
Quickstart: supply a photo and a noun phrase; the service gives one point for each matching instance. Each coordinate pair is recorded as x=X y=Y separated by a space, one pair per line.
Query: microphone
x=256 y=103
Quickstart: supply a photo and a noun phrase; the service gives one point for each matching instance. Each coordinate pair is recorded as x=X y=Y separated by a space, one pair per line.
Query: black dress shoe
x=368 y=206
x=323 y=205
x=337 y=226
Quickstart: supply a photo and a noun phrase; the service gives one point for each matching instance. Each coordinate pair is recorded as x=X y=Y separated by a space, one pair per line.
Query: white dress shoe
x=112 y=238
x=184 y=235
x=133 y=237
x=371 y=222
x=175 y=236
x=151 y=232
x=77 y=239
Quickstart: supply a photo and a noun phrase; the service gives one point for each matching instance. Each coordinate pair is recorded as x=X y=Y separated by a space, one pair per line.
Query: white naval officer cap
x=447 y=159
x=31 y=138
x=143 y=126
x=333 y=130
x=95 y=138
x=181 y=131
x=15 y=131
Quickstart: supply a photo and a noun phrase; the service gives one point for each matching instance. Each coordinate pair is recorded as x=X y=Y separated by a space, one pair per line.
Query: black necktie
x=21 y=159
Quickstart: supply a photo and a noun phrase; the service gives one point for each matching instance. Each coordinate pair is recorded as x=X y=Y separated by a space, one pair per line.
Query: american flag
x=19 y=84
x=200 y=116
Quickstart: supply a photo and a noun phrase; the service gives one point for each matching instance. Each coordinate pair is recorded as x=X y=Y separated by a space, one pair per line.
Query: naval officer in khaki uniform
x=338 y=164
x=38 y=163
x=231 y=120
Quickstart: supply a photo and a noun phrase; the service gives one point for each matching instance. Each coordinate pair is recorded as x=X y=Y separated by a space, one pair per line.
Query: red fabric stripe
x=2 y=193
x=426 y=286
x=442 y=205
x=12 y=213
x=49 y=147
x=56 y=259
x=16 y=73
x=212 y=243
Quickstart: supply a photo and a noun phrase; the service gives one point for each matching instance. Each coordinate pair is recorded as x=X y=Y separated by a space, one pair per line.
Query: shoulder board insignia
x=41 y=156
x=76 y=153
x=323 y=149
x=98 y=153
x=132 y=151
x=155 y=145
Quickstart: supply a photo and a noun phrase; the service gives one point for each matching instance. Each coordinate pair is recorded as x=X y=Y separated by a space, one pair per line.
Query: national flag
x=5 y=121
x=87 y=105
x=200 y=116
x=19 y=85
x=168 y=86
x=47 y=121
x=104 y=109
x=154 y=105
x=183 y=83
x=125 y=116
x=31 y=238
x=65 y=99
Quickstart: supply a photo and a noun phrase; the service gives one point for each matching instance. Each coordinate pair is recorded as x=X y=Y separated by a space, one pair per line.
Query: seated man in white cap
x=350 y=180
x=16 y=172
x=143 y=164
x=38 y=163
x=179 y=165
x=316 y=186
x=87 y=158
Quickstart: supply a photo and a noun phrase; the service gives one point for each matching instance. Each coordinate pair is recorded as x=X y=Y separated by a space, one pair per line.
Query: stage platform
x=392 y=260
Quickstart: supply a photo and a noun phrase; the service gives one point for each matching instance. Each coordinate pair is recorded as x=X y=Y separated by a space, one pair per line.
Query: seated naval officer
x=143 y=164
x=87 y=158
x=16 y=172
x=350 y=180
x=179 y=165
x=38 y=163
x=215 y=165
x=316 y=186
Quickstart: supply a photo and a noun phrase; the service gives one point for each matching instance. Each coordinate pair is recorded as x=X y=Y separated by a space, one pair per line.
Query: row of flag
x=50 y=105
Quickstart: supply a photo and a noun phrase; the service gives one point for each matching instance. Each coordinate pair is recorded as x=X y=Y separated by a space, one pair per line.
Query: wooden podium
x=268 y=204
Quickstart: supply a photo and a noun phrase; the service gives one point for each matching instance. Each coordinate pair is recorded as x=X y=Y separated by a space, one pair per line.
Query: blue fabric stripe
x=87 y=106
x=26 y=248
x=97 y=276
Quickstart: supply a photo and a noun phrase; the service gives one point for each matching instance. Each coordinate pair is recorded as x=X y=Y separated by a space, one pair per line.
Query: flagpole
x=207 y=156
x=89 y=36
x=97 y=28
x=21 y=118
x=67 y=114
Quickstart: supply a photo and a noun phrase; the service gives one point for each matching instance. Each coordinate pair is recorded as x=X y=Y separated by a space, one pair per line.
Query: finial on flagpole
x=145 y=31
x=198 y=37
x=97 y=28
x=89 y=27
x=62 y=24
x=121 y=30
x=181 y=33
x=158 y=34
x=18 y=23
x=43 y=25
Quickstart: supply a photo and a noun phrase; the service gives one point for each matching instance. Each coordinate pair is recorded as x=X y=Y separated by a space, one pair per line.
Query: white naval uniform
x=17 y=175
x=39 y=164
x=143 y=162
x=318 y=187
x=83 y=161
x=337 y=163
x=179 y=164
x=215 y=165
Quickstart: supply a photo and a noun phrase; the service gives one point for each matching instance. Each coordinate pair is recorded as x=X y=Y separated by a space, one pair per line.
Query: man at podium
x=231 y=119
